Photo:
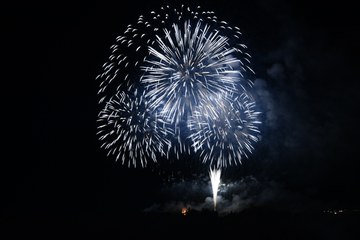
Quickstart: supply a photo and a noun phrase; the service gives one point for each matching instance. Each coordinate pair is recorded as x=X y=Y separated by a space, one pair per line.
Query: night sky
x=305 y=59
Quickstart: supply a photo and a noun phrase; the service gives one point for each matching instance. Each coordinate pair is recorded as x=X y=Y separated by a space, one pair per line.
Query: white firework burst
x=131 y=132
x=228 y=136
x=133 y=47
x=177 y=81
x=189 y=66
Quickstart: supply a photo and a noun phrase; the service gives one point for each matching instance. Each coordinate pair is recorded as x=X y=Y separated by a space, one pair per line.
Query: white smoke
x=233 y=197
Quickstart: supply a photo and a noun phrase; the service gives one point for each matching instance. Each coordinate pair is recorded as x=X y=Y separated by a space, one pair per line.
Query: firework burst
x=224 y=133
x=188 y=67
x=136 y=46
x=177 y=82
x=130 y=131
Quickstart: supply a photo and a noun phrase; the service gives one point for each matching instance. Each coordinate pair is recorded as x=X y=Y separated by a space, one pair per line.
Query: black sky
x=305 y=59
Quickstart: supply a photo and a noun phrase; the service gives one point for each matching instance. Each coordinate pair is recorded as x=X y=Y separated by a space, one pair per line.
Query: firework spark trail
x=215 y=182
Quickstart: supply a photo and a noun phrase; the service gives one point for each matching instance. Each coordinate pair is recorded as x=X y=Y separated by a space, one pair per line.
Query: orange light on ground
x=184 y=211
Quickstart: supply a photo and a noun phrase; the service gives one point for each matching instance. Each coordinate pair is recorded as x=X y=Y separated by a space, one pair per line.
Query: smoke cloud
x=233 y=197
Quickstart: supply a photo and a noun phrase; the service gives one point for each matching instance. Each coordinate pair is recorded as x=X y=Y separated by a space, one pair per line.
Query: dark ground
x=253 y=224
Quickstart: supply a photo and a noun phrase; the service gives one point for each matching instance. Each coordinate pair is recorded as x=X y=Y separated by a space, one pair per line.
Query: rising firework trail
x=178 y=83
x=215 y=175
